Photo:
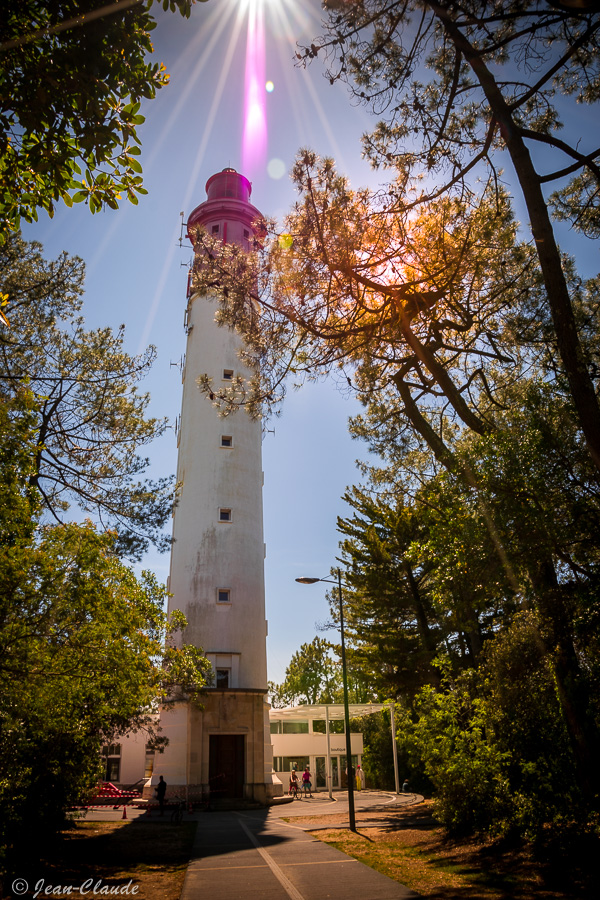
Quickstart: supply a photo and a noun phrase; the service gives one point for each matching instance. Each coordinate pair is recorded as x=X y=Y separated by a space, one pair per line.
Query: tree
x=392 y=630
x=460 y=88
x=87 y=654
x=409 y=599
x=378 y=754
x=72 y=79
x=412 y=303
x=520 y=533
x=312 y=676
x=90 y=417
x=496 y=735
x=86 y=650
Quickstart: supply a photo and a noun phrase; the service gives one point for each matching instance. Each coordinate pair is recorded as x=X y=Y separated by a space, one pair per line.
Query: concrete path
x=256 y=856
x=364 y=801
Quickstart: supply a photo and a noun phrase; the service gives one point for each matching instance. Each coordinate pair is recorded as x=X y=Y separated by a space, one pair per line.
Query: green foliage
x=90 y=416
x=18 y=500
x=87 y=653
x=494 y=742
x=378 y=759
x=466 y=770
x=72 y=81
x=313 y=676
x=391 y=626
x=504 y=551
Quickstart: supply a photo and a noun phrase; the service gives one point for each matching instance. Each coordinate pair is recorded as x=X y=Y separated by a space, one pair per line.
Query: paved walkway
x=256 y=856
x=364 y=801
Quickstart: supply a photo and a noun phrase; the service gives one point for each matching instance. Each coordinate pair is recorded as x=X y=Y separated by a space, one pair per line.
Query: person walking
x=294 y=784
x=307 y=782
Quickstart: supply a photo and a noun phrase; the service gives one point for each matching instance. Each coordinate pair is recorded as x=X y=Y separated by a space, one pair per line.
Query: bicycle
x=294 y=790
x=177 y=814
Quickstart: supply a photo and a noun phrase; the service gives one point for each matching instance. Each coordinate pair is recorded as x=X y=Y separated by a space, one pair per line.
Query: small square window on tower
x=227 y=374
x=215 y=229
x=226 y=440
x=222 y=680
x=224 y=515
x=246 y=233
x=223 y=595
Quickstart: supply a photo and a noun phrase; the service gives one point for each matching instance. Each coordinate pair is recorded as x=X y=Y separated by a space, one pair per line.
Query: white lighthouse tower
x=217 y=558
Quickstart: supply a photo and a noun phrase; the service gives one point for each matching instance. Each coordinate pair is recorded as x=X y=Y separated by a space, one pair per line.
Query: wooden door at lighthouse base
x=226 y=765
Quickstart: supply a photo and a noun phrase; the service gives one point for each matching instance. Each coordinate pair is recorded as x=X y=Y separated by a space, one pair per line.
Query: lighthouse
x=217 y=558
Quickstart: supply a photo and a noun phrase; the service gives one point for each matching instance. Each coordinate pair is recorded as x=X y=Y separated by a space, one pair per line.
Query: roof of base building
x=324 y=711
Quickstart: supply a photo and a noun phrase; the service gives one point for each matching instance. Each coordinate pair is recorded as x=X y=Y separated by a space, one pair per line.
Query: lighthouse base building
x=222 y=752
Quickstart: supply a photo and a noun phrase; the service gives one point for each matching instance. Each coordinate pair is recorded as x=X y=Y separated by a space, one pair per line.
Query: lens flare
x=254 y=142
x=276 y=168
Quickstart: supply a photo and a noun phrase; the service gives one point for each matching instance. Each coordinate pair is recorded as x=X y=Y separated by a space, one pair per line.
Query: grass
x=410 y=846
x=152 y=855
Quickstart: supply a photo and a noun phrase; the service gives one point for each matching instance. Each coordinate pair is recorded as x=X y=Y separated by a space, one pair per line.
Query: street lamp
x=351 y=814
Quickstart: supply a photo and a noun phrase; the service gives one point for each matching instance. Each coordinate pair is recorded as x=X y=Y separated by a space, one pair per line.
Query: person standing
x=161 y=789
x=360 y=778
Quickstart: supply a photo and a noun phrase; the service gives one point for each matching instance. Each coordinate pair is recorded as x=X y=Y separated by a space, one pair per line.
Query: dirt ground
x=151 y=855
x=410 y=846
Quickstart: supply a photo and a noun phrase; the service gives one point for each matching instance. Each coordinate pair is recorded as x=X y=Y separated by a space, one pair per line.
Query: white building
x=313 y=736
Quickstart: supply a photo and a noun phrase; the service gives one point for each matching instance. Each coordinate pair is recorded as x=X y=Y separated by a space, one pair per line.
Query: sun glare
x=248 y=4
x=287 y=20
x=254 y=142
x=270 y=26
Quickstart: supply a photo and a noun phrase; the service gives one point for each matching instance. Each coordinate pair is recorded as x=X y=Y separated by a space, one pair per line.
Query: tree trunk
x=571 y=684
x=423 y=623
x=567 y=338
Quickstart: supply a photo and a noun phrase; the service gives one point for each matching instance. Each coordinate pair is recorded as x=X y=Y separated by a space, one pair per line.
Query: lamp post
x=351 y=814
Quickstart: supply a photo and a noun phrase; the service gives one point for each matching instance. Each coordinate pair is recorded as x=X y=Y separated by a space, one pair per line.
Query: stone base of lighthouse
x=220 y=752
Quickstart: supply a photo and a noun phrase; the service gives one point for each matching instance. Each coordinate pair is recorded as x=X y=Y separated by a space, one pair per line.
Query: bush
x=494 y=743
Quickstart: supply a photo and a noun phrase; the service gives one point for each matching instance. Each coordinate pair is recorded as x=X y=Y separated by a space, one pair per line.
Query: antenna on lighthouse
x=181 y=230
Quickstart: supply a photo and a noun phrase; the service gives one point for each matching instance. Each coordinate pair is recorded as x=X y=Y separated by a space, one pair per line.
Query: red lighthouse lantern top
x=227 y=212
x=228 y=183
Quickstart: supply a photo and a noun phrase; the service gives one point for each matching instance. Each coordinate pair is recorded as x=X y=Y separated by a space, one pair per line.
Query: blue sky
x=136 y=271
